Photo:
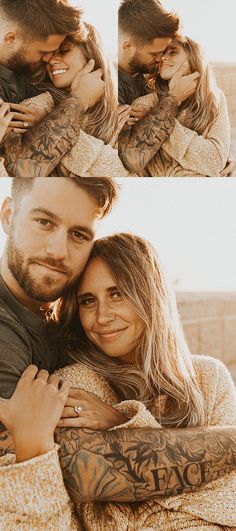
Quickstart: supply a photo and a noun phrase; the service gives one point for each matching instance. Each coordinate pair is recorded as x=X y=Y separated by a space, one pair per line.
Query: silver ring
x=26 y=125
x=78 y=410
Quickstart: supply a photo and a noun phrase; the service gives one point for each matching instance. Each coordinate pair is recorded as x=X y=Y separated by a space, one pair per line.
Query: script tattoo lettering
x=138 y=144
x=134 y=465
x=39 y=151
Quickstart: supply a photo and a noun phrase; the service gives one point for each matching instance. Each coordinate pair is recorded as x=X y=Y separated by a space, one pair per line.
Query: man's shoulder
x=14 y=87
x=130 y=87
x=9 y=321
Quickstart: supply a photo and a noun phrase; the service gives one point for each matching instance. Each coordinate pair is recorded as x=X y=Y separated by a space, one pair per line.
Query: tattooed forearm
x=6 y=443
x=134 y=465
x=39 y=151
x=138 y=144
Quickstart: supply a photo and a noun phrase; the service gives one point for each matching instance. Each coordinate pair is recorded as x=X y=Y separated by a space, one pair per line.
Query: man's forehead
x=60 y=197
x=158 y=44
x=50 y=44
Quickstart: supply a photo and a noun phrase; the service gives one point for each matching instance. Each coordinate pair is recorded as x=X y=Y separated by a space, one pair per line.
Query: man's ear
x=6 y=215
x=10 y=38
x=127 y=46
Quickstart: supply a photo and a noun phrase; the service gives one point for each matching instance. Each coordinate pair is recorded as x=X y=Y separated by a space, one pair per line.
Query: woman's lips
x=58 y=71
x=106 y=336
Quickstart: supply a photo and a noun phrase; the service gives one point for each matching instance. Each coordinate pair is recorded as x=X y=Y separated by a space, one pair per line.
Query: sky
x=190 y=222
x=103 y=15
x=211 y=23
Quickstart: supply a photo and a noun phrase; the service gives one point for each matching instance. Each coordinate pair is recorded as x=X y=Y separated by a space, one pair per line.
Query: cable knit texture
x=186 y=153
x=89 y=157
x=41 y=490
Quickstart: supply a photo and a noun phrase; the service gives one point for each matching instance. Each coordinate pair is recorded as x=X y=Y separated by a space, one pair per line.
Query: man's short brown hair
x=103 y=191
x=38 y=19
x=146 y=20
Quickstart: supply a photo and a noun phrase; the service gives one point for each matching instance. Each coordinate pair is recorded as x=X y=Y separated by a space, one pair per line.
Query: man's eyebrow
x=54 y=217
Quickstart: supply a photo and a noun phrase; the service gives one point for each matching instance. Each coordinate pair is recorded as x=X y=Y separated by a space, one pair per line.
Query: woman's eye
x=87 y=302
x=115 y=295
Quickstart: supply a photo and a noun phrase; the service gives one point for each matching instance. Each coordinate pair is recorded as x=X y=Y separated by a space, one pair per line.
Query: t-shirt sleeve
x=15 y=355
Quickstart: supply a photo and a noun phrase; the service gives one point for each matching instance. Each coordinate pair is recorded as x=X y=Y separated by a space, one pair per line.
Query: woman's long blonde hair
x=164 y=364
x=100 y=120
x=200 y=109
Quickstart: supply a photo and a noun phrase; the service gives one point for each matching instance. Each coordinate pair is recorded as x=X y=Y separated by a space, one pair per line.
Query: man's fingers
x=43 y=374
x=29 y=373
x=69 y=412
x=88 y=67
x=193 y=76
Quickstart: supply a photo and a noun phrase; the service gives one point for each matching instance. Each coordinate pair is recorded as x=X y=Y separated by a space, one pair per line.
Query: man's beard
x=139 y=67
x=18 y=64
x=42 y=291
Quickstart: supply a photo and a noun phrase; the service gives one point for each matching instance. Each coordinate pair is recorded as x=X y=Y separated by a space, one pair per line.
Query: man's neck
x=17 y=291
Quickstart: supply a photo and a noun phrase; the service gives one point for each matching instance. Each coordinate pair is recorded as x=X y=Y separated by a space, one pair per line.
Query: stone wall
x=209 y=321
x=226 y=80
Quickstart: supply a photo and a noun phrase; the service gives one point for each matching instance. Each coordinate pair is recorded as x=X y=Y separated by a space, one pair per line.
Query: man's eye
x=44 y=222
x=79 y=236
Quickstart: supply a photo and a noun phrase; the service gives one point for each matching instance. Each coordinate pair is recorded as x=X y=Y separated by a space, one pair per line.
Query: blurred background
x=192 y=225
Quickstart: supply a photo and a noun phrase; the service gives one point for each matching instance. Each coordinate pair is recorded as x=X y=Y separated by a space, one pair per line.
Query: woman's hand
x=33 y=412
x=5 y=118
x=92 y=412
x=25 y=117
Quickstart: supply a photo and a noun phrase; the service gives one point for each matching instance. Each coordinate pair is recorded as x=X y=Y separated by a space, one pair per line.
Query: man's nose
x=57 y=245
x=47 y=57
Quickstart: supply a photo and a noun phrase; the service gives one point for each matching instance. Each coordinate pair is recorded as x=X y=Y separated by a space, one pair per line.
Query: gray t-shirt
x=24 y=339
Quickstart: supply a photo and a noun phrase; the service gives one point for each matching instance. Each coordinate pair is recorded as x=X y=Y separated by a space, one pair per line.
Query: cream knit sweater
x=33 y=497
x=186 y=153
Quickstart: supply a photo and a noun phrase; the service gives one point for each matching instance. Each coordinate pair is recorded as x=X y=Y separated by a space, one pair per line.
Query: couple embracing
x=136 y=417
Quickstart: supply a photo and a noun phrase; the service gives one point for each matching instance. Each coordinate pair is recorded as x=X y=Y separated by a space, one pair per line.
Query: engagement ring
x=26 y=125
x=78 y=410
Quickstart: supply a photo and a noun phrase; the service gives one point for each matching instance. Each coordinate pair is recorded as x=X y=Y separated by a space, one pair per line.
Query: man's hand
x=230 y=168
x=93 y=413
x=181 y=86
x=88 y=85
x=33 y=412
x=5 y=118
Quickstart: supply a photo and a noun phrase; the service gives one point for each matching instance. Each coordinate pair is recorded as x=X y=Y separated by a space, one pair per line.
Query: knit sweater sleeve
x=33 y=495
x=204 y=154
x=216 y=501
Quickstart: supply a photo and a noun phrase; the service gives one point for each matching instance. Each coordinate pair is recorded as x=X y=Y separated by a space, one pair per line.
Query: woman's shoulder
x=218 y=390
x=209 y=368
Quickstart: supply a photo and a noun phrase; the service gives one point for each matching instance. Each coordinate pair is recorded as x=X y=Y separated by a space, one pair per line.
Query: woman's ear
x=6 y=215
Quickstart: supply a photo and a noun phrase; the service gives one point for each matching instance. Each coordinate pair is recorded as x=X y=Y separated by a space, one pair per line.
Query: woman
x=200 y=141
x=93 y=154
x=123 y=324
x=123 y=327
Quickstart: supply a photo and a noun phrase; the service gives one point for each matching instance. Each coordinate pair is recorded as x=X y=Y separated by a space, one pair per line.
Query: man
x=50 y=227
x=30 y=31
x=145 y=29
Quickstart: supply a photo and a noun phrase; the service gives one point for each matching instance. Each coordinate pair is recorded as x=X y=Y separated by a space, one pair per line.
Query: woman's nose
x=105 y=314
